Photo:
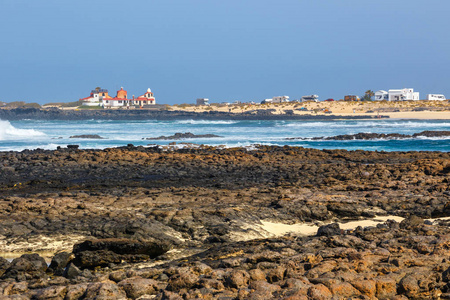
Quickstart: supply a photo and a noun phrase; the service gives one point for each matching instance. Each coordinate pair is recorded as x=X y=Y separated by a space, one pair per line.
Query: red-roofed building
x=96 y=97
x=146 y=99
x=100 y=97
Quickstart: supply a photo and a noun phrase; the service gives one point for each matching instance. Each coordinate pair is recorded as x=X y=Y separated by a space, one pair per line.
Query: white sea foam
x=9 y=132
x=205 y=122
x=366 y=124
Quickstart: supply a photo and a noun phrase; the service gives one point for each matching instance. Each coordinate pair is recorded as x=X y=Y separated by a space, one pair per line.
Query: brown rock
x=136 y=286
x=185 y=279
x=50 y=293
x=104 y=291
x=386 y=287
x=74 y=292
x=366 y=287
x=319 y=292
x=237 y=279
x=344 y=289
x=257 y=274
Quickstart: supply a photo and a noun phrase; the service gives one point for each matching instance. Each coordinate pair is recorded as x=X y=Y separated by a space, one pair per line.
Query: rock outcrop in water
x=374 y=136
x=186 y=135
x=87 y=136
x=142 y=222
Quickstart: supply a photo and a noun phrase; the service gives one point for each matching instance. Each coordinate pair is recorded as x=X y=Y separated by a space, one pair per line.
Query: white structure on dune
x=397 y=95
x=436 y=97
x=202 y=101
x=381 y=95
x=280 y=99
x=314 y=98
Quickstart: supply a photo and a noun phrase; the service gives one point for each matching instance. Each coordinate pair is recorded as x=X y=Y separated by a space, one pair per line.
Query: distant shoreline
x=56 y=114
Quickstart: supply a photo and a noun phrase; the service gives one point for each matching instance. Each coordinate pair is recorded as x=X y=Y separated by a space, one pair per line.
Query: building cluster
x=100 y=97
x=404 y=95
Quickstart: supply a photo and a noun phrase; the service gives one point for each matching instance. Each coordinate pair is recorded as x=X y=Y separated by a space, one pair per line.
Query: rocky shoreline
x=201 y=212
x=141 y=114
x=373 y=136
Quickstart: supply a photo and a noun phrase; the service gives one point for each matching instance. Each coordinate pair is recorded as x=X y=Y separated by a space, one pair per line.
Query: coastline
x=314 y=111
x=224 y=218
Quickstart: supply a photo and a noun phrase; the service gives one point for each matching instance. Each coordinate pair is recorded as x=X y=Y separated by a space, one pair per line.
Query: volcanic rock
x=186 y=135
x=26 y=267
x=87 y=136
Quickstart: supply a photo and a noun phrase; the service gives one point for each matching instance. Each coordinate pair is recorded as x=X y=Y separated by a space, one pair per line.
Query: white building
x=266 y=101
x=403 y=95
x=202 y=101
x=280 y=99
x=314 y=98
x=436 y=97
x=95 y=98
x=381 y=95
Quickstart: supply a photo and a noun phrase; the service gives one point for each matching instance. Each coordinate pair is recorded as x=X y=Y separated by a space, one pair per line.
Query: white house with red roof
x=100 y=97
x=96 y=97
x=146 y=99
x=118 y=101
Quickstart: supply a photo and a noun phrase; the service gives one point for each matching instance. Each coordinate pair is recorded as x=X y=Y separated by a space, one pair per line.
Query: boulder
x=27 y=266
x=4 y=264
x=103 y=258
x=71 y=271
x=135 y=287
x=329 y=230
x=59 y=262
x=104 y=291
x=123 y=246
x=411 y=222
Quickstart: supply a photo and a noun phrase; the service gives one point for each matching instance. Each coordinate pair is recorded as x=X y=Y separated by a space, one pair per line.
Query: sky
x=58 y=51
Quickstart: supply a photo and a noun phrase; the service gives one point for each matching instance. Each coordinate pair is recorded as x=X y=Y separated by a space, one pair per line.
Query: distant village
x=406 y=94
x=101 y=98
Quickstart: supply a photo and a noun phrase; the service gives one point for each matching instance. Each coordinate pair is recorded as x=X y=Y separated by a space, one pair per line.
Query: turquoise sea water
x=32 y=134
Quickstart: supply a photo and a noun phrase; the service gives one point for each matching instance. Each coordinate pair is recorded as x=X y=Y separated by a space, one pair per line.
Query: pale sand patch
x=46 y=246
x=279 y=229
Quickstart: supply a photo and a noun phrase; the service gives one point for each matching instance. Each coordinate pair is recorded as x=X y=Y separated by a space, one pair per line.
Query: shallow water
x=32 y=134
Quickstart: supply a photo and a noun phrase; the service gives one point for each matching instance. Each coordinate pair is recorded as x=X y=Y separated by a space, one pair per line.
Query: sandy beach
x=398 y=110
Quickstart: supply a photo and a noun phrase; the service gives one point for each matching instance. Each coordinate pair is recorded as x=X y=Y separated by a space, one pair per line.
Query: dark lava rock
x=103 y=252
x=27 y=266
x=104 y=258
x=123 y=246
x=87 y=136
x=71 y=271
x=411 y=222
x=186 y=135
x=373 y=136
x=432 y=133
x=329 y=230
x=4 y=264
x=59 y=262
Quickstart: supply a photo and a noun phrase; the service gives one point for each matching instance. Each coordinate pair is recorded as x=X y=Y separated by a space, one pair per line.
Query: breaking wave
x=9 y=132
x=205 y=122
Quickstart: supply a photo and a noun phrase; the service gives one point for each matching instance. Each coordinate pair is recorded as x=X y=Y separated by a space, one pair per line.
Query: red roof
x=145 y=98
x=86 y=98
x=118 y=99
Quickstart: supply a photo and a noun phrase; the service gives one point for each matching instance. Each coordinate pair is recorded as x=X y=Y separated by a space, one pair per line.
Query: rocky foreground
x=143 y=223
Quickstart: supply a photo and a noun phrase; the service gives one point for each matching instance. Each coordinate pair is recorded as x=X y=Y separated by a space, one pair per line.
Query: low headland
x=334 y=110
x=213 y=223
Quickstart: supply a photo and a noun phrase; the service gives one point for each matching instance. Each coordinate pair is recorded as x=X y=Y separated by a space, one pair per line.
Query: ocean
x=32 y=134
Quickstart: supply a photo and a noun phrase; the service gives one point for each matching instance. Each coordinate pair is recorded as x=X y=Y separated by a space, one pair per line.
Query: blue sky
x=53 y=50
